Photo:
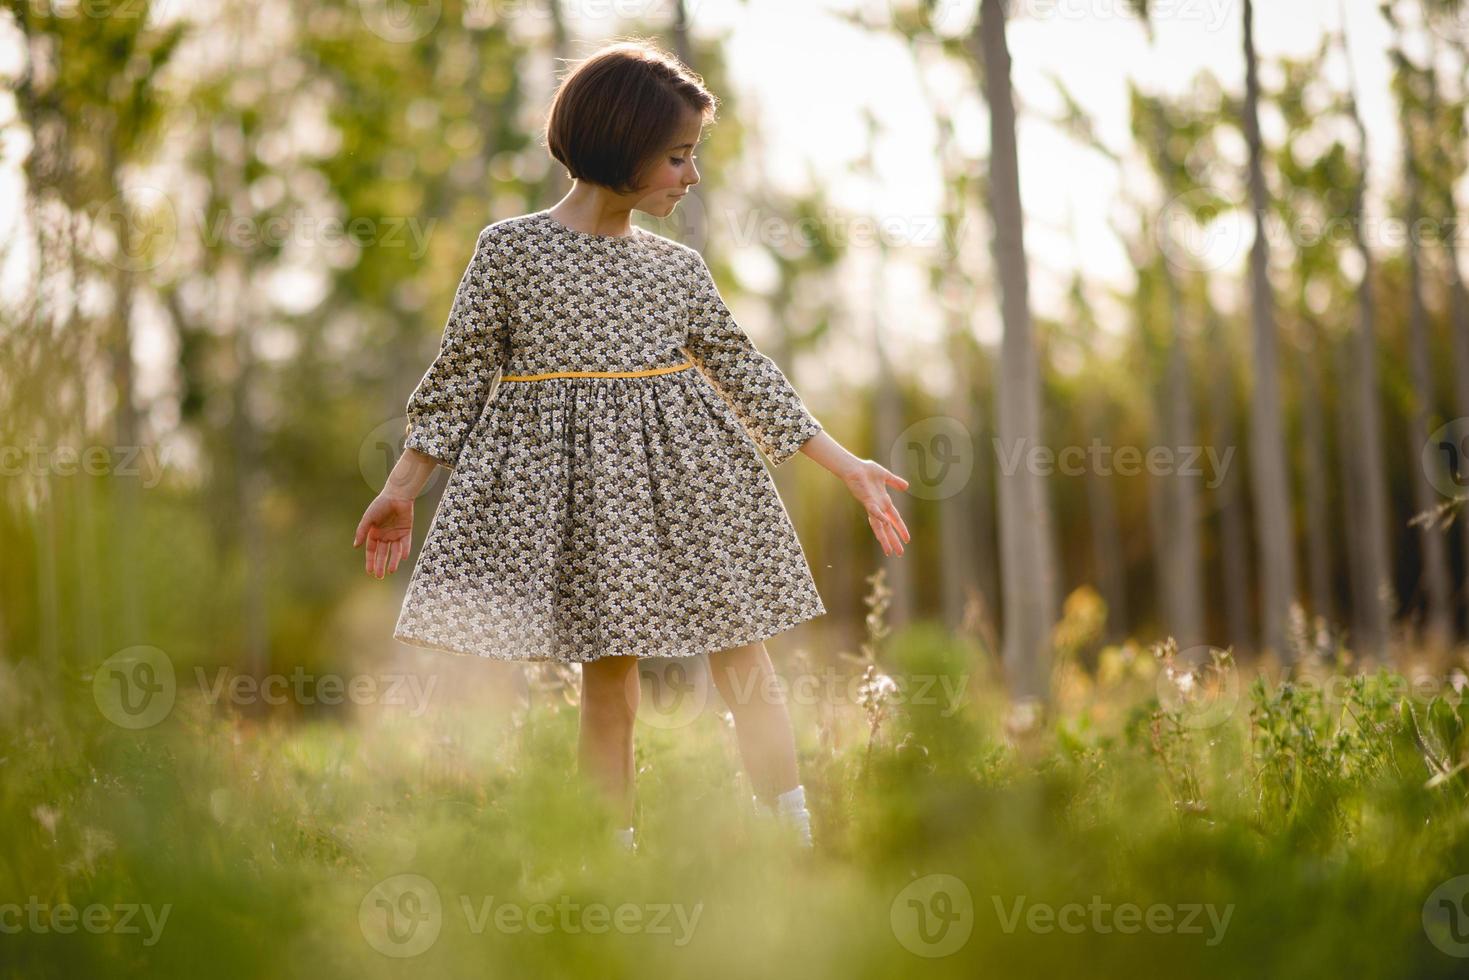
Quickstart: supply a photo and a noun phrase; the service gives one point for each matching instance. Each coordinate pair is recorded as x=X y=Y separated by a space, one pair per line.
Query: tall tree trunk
x=1109 y=568
x=1458 y=296
x=250 y=484
x=983 y=507
x=1275 y=534
x=887 y=425
x=957 y=557
x=235 y=318
x=1372 y=577
x=1313 y=478
x=122 y=541
x=1183 y=592
x=1434 y=569
x=1025 y=521
x=1234 y=559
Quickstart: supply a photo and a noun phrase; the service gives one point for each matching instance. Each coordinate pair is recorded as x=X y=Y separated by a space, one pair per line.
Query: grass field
x=1167 y=817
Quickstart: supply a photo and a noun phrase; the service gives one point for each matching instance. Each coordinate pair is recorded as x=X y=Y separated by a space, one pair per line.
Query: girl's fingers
x=893 y=479
x=896 y=529
x=897 y=519
x=889 y=515
x=884 y=536
x=379 y=552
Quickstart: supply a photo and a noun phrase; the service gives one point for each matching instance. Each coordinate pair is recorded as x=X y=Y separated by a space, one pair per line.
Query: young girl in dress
x=604 y=416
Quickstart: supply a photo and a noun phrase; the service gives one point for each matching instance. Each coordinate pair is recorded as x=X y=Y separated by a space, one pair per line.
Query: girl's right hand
x=868 y=481
x=387 y=527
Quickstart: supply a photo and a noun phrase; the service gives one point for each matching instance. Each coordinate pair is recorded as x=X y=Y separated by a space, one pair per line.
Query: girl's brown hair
x=621 y=107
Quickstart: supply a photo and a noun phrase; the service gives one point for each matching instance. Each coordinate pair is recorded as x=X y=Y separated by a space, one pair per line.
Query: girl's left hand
x=868 y=481
x=387 y=527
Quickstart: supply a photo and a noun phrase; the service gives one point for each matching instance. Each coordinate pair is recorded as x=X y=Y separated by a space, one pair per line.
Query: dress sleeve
x=447 y=402
x=756 y=389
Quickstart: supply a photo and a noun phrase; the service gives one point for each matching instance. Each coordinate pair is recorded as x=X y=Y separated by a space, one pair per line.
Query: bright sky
x=806 y=78
x=809 y=108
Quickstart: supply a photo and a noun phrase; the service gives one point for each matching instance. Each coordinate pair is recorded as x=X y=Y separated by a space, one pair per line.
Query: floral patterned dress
x=592 y=515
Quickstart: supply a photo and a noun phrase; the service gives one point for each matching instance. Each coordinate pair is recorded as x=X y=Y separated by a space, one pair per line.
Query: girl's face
x=670 y=176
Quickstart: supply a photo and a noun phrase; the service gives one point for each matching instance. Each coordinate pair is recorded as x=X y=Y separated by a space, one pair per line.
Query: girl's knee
x=741 y=673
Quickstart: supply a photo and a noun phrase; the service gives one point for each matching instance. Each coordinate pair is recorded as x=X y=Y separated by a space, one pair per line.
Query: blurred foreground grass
x=1241 y=825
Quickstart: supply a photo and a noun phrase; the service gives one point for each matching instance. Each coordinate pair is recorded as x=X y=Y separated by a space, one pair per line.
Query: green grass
x=1319 y=826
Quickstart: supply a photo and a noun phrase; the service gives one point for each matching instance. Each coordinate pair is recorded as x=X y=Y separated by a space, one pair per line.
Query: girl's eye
x=681 y=159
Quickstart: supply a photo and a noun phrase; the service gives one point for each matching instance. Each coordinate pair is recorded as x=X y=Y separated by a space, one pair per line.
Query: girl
x=601 y=411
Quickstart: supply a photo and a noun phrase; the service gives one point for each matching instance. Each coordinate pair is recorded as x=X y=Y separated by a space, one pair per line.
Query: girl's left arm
x=448 y=400
x=762 y=397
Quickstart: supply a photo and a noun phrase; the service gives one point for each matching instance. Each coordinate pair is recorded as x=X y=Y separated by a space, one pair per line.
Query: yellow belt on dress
x=598 y=374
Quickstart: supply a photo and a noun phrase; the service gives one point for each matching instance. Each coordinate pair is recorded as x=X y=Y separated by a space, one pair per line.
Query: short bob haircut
x=617 y=110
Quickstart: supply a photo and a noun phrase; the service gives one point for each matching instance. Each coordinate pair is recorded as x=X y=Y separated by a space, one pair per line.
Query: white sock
x=790 y=807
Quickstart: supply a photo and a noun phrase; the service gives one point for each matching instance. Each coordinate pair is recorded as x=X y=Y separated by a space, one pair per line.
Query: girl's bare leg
x=747 y=681
x=609 y=709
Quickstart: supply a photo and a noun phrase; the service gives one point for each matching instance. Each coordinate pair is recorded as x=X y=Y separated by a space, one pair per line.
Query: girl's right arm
x=387 y=525
x=442 y=409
